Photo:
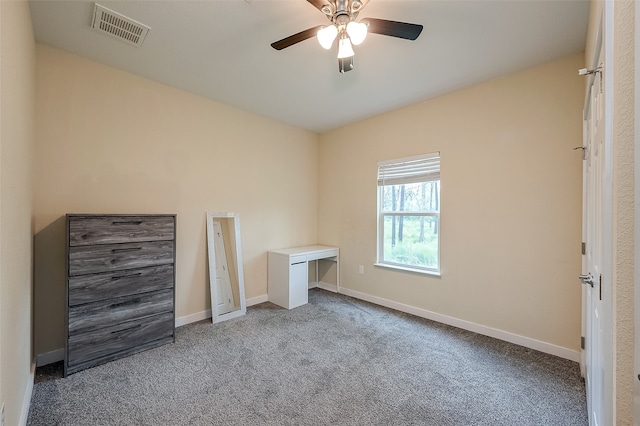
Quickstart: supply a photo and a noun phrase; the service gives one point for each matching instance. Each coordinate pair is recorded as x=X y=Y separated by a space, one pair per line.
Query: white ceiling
x=221 y=50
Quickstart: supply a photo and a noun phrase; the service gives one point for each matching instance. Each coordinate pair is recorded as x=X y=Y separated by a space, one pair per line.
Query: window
x=409 y=213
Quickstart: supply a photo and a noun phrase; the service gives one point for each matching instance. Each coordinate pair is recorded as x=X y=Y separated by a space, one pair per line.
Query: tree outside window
x=409 y=213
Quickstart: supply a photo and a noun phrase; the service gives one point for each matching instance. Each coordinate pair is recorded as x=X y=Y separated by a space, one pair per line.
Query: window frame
x=381 y=214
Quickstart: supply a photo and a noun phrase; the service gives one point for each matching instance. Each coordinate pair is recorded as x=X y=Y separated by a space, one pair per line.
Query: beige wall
x=623 y=208
x=511 y=202
x=113 y=142
x=17 y=86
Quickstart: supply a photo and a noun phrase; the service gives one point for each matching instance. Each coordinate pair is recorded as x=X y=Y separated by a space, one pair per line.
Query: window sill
x=408 y=269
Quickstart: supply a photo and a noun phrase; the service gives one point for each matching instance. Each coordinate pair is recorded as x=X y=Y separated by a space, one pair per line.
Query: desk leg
x=338 y=274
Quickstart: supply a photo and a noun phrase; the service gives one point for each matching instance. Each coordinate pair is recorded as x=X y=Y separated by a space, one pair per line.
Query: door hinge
x=583 y=248
x=582 y=342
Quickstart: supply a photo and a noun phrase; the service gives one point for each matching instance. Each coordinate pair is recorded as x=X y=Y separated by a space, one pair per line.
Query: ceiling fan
x=348 y=31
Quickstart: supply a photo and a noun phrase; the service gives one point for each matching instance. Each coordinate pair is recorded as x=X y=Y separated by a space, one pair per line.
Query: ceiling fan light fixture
x=326 y=35
x=348 y=31
x=357 y=32
x=344 y=48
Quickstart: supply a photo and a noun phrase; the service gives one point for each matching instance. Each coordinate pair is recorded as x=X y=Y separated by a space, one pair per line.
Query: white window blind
x=421 y=168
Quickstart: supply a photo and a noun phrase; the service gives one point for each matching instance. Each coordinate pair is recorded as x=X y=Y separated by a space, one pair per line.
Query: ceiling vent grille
x=118 y=26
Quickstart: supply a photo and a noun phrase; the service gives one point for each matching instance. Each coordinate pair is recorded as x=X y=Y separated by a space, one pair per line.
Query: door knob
x=586 y=279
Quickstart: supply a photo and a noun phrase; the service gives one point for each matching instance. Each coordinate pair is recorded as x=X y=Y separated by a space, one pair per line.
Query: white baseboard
x=329 y=287
x=50 y=357
x=199 y=316
x=188 y=319
x=470 y=326
x=257 y=300
x=26 y=400
x=58 y=354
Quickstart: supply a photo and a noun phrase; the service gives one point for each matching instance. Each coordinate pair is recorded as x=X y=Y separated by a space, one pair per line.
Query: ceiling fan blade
x=296 y=38
x=403 y=30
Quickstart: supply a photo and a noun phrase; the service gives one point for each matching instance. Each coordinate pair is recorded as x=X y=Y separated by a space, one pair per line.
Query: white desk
x=288 y=274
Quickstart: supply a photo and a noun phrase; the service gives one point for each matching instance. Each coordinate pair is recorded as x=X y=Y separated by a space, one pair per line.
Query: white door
x=224 y=295
x=592 y=266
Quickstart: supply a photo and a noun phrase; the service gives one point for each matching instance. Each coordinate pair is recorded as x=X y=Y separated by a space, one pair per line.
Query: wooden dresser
x=120 y=286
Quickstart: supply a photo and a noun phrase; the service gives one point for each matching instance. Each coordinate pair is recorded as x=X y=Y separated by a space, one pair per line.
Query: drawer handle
x=126 y=222
x=127 y=329
x=126 y=276
x=125 y=249
x=128 y=302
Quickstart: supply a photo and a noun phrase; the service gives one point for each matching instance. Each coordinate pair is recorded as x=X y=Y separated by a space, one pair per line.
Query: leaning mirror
x=226 y=279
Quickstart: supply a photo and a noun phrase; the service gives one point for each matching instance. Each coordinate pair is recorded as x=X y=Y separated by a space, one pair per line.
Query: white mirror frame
x=215 y=315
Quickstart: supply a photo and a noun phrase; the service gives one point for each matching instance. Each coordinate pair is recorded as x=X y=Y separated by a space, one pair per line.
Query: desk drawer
x=315 y=255
x=89 y=230
x=94 y=287
x=104 y=258
x=297 y=258
x=122 y=337
x=106 y=313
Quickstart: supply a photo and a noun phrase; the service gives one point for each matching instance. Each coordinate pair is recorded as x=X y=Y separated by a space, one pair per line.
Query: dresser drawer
x=106 y=313
x=119 y=338
x=89 y=230
x=110 y=257
x=94 y=287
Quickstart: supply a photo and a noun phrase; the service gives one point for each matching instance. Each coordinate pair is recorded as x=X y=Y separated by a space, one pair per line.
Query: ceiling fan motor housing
x=342 y=11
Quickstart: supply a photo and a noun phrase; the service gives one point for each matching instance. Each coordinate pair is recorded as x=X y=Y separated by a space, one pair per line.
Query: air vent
x=118 y=26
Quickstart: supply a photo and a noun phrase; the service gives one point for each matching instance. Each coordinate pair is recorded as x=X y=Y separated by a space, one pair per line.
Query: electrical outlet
x=361 y=270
